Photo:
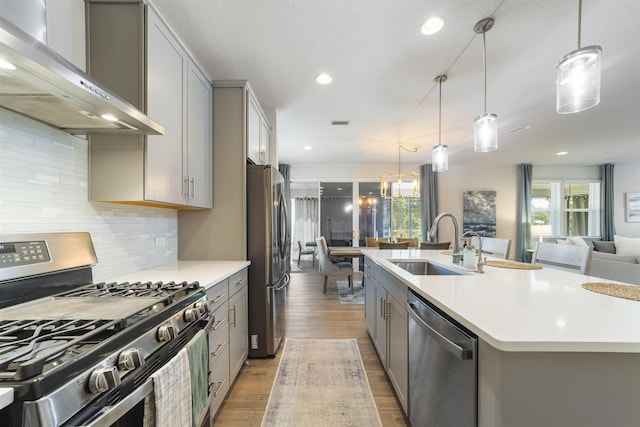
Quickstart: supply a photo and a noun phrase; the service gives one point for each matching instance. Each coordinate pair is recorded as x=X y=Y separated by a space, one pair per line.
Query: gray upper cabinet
x=258 y=132
x=144 y=61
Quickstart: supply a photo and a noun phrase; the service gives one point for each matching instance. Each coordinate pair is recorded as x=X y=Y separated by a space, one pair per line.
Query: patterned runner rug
x=345 y=295
x=321 y=383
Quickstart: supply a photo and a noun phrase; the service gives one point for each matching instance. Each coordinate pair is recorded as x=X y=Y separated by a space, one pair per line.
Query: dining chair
x=328 y=268
x=311 y=252
x=495 y=247
x=435 y=245
x=413 y=241
x=372 y=242
x=573 y=258
x=387 y=245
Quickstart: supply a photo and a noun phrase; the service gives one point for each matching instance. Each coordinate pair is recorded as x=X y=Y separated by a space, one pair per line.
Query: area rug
x=321 y=383
x=344 y=292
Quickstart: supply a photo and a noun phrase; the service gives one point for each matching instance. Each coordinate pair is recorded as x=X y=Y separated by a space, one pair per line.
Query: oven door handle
x=115 y=412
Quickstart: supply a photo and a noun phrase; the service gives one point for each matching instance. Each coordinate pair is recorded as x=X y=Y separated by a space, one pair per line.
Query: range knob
x=130 y=359
x=202 y=306
x=166 y=332
x=103 y=379
x=191 y=314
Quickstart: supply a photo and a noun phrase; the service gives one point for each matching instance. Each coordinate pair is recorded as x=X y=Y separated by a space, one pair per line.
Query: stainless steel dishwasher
x=443 y=368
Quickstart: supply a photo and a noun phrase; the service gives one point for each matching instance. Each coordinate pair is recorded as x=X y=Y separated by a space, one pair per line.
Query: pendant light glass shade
x=439 y=158
x=485 y=133
x=485 y=126
x=578 y=76
x=578 y=80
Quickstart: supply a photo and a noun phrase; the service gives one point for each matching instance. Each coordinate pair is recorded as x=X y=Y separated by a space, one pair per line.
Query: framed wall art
x=479 y=213
x=633 y=207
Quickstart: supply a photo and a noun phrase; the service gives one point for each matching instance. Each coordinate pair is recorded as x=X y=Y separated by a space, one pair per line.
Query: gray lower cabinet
x=386 y=319
x=228 y=337
x=238 y=321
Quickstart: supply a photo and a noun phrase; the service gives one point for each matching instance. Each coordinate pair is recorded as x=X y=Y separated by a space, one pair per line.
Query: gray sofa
x=607 y=264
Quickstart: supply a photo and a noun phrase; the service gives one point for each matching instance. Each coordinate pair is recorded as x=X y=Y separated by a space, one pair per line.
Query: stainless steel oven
x=78 y=353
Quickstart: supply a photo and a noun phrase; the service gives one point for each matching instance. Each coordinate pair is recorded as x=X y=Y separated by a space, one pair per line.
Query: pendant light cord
x=484 y=63
x=440 y=113
x=579 y=21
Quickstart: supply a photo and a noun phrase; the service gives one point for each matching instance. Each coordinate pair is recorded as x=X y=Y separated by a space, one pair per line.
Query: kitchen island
x=550 y=353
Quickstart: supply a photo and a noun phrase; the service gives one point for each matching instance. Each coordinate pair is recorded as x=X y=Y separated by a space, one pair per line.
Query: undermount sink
x=421 y=268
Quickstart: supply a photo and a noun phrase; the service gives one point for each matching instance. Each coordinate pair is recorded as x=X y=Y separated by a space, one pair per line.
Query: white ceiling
x=383 y=70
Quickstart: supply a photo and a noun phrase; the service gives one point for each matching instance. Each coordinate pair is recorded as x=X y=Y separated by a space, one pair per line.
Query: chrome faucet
x=457 y=256
x=480 y=263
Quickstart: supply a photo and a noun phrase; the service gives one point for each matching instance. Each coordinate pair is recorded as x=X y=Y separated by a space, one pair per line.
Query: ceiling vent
x=518 y=129
x=339 y=122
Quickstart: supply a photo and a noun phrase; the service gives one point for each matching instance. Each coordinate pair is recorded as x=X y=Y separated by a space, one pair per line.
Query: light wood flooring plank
x=309 y=314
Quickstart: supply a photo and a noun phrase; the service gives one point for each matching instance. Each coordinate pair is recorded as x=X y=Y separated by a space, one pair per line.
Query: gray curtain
x=523 y=218
x=607 y=226
x=428 y=198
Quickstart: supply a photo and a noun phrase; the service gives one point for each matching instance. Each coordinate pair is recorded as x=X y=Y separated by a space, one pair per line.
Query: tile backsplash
x=43 y=188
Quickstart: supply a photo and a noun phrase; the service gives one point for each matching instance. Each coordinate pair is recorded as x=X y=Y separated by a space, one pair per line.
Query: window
x=565 y=208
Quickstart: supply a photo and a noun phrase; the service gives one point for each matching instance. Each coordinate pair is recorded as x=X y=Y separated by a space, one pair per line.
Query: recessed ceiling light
x=308 y=147
x=432 y=25
x=323 y=79
x=562 y=153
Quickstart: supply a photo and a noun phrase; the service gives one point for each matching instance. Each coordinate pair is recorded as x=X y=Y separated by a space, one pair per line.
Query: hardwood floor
x=309 y=314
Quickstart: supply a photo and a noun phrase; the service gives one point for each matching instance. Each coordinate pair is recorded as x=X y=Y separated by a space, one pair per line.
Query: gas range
x=73 y=355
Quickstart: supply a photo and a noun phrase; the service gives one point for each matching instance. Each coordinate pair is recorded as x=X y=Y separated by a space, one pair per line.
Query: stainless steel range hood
x=48 y=88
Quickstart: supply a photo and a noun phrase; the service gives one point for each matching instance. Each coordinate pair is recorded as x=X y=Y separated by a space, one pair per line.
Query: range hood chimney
x=38 y=83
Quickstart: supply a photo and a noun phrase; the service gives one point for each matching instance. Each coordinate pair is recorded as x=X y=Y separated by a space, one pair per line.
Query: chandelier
x=401 y=184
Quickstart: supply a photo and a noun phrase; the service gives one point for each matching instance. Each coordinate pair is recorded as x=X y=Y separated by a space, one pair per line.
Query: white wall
x=458 y=179
x=43 y=188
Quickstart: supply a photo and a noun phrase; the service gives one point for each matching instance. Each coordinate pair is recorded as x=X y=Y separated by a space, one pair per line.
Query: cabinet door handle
x=234 y=315
x=218 y=298
x=192 y=182
x=386 y=308
x=185 y=187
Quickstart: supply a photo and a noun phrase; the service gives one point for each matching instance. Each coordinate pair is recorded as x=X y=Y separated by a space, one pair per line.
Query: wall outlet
x=254 y=342
x=160 y=242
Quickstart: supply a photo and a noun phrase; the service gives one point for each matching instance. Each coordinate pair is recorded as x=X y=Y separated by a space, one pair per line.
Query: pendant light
x=392 y=185
x=439 y=157
x=485 y=126
x=578 y=77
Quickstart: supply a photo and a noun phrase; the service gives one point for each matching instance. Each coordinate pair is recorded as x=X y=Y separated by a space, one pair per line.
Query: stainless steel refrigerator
x=268 y=243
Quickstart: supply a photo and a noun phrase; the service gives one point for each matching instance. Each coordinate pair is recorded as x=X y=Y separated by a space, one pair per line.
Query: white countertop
x=524 y=310
x=208 y=273
x=6 y=397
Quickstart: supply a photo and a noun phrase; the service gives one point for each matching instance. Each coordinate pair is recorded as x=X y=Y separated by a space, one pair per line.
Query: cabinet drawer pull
x=241 y=281
x=219 y=349
x=218 y=298
x=219 y=388
x=218 y=324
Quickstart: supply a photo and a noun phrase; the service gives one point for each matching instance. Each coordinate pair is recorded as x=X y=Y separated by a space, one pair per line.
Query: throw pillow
x=627 y=245
x=576 y=240
x=604 y=246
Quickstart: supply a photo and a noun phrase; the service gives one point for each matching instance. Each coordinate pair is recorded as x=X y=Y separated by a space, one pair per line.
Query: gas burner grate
x=27 y=346
x=135 y=289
